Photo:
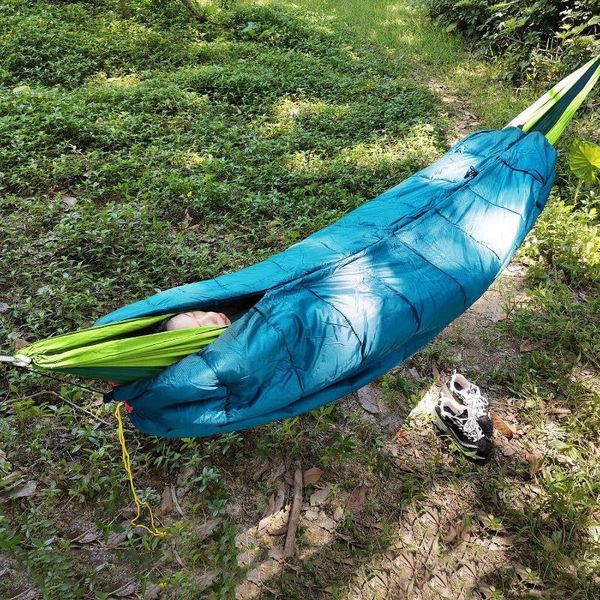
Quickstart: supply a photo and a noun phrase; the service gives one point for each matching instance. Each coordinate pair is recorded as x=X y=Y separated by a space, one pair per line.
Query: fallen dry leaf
x=505 y=540
x=505 y=428
x=559 y=411
x=11 y=480
x=326 y=522
x=452 y=533
x=528 y=346
x=152 y=592
x=30 y=594
x=356 y=500
x=276 y=473
x=277 y=554
x=414 y=374
x=69 y=200
x=276 y=524
x=205 y=580
x=178 y=558
x=402 y=437
x=207 y=528
x=367 y=398
x=507 y=449
x=87 y=537
x=176 y=502
x=280 y=496
x=128 y=589
x=260 y=471
x=338 y=513
x=116 y=539
x=166 y=501
x=319 y=497
x=20 y=343
x=22 y=491
x=535 y=463
x=311 y=476
x=526 y=574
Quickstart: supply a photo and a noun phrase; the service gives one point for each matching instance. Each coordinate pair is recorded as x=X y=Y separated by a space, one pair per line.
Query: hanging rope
x=127 y=465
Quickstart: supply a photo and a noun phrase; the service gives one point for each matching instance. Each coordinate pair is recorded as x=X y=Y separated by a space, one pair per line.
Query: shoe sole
x=472 y=454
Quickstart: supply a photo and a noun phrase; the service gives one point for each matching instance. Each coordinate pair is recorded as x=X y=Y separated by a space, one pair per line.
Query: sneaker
x=472 y=434
x=478 y=405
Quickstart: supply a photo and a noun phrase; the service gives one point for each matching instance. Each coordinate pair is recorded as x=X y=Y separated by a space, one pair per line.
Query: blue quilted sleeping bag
x=345 y=305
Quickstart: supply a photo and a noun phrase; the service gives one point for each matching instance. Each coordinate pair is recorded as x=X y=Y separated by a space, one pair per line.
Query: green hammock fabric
x=119 y=352
x=551 y=113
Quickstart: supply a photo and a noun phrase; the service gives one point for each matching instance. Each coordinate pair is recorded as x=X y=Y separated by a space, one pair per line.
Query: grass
x=137 y=154
x=427 y=52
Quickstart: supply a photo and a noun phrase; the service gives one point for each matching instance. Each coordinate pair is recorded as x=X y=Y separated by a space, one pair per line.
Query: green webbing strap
x=552 y=112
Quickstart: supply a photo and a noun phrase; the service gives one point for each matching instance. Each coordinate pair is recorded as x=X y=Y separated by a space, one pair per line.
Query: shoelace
x=477 y=405
x=472 y=429
x=472 y=398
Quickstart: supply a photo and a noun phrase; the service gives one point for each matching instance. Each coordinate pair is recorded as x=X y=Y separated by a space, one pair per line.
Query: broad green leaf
x=584 y=160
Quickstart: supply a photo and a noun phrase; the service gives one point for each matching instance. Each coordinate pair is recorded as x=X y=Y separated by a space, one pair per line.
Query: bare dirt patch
x=423 y=525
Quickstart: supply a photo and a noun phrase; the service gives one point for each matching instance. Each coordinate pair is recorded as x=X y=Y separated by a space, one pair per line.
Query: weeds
x=141 y=153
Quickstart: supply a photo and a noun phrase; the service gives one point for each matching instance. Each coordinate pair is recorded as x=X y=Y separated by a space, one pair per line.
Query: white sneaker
x=470 y=395
x=469 y=431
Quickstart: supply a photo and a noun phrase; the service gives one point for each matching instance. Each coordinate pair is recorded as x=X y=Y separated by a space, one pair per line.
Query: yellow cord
x=127 y=465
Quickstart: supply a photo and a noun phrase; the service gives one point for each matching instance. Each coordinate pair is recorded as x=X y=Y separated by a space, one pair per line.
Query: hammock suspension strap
x=18 y=360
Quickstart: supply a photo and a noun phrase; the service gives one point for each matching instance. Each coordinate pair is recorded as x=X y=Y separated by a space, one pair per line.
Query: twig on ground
x=290 y=539
x=176 y=501
x=72 y=404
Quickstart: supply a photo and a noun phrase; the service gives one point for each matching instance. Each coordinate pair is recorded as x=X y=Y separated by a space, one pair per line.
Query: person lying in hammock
x=193 y=319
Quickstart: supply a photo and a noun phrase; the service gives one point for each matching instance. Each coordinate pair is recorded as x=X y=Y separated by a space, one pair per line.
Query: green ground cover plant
x=149 y=148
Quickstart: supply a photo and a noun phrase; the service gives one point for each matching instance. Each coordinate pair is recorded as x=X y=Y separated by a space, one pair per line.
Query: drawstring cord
x=24 y=362
x=127 y=466
x=19 y=360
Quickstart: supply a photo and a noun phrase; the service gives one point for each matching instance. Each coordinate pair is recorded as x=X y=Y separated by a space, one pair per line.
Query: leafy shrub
x=565 y=246
x=533 y=37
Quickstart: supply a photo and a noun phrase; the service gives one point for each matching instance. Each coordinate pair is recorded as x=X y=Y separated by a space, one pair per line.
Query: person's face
x=197 y=318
